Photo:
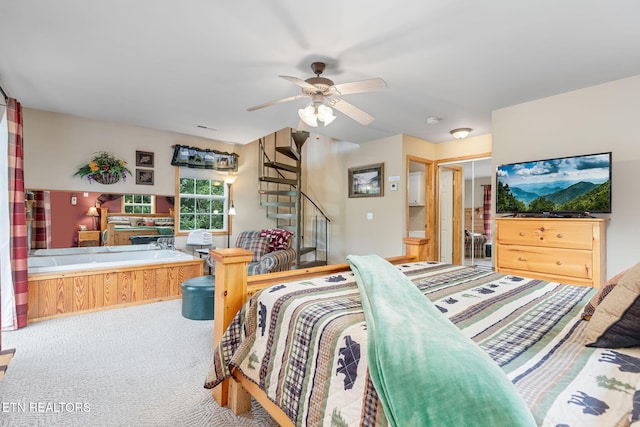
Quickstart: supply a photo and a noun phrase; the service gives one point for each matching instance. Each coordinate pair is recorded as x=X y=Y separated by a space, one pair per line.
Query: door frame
x=430 y=201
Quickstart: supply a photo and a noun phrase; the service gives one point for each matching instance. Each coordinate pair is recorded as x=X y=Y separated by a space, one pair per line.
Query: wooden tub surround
x=233 y=287
x=63 y=293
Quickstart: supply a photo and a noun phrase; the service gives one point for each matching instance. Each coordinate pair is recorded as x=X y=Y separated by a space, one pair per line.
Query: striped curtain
x=486 y=212
x=41 y=225
x=18 y=228
x=7 y=297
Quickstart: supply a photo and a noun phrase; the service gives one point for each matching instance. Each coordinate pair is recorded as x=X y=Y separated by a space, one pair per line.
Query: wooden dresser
x=566 y=250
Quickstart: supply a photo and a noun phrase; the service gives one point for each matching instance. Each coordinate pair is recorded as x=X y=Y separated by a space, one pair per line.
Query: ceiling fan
x=325 y=94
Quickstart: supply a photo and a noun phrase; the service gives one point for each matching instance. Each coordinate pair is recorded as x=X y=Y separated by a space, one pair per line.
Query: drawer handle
x=522 y=258
x=522 y=233
x=541 y=228
x=559 y=262
x=560 y=236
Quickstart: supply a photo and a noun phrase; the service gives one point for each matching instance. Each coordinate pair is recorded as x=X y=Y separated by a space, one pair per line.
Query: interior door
x=450 y=214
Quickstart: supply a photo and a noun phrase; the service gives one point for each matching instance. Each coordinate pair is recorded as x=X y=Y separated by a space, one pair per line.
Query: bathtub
x=101 y=260
x=92 y=249
x=85 y=280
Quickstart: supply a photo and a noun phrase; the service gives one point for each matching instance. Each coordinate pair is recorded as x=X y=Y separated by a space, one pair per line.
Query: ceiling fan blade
x=300 y=83
x=278 y=101
x=352 y=111
x=369 y=85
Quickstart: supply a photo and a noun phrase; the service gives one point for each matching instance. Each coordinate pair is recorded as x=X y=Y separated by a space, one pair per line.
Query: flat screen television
x=566 y=186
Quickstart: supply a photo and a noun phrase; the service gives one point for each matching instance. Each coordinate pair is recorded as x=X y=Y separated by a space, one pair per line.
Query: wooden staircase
x=281 y=194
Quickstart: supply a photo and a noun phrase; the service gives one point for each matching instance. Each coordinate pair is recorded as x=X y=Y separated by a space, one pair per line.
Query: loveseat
x=271 y=249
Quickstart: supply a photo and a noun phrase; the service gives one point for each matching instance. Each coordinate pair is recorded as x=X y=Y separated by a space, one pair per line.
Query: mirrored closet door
x=465 y=226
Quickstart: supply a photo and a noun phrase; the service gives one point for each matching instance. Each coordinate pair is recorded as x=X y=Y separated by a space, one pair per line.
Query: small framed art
x=366 y=181
x=144 y=159
x=144 y=177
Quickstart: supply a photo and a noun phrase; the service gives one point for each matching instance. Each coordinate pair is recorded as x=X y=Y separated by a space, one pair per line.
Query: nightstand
x=89 y=238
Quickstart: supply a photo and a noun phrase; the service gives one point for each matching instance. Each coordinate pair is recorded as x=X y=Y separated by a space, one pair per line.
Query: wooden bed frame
x=233 y=287
x=122 y=236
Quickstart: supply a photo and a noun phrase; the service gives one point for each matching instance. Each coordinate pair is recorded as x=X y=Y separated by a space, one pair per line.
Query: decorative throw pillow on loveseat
x=278 y=238
x=616 y=320
x=259 y=246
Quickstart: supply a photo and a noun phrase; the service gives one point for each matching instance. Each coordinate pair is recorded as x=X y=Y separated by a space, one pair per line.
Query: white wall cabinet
x=416 y=189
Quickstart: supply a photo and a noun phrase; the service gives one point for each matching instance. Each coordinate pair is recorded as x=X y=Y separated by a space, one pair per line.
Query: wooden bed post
x=416 y=247
x=230 y=294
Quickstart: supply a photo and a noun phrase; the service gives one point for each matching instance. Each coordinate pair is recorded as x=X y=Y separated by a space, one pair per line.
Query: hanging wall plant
x=104 y=168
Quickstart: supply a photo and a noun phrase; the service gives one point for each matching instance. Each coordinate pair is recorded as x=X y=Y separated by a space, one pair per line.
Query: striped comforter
x=304 y=343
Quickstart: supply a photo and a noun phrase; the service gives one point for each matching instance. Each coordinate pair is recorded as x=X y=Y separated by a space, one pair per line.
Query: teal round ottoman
x=197 y=298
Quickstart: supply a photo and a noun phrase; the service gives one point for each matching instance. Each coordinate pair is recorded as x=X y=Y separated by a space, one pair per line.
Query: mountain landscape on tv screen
x=559 y=197
x=578 y=184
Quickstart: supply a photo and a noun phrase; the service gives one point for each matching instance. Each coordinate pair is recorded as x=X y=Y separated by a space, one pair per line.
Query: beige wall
x=470 y=146
x=592 y=120
x=56 y=145
x=327 y=164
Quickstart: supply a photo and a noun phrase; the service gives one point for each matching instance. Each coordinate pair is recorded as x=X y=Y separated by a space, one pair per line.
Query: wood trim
x=464 y=158
x=430 y=201
x=232 y=289
x=54 y=295
x=5 y=358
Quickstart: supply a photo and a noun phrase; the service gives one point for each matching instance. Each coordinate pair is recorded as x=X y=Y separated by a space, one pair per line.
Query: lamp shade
x=93 y=211
x=308 y=115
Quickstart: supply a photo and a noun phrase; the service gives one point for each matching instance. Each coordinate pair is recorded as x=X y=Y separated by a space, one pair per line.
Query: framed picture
x=144 y=177
x=366 y=181
x=144 y=159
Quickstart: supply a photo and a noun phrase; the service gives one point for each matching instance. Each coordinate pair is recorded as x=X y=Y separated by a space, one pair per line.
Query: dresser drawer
x=548 y=233
x=561 y=262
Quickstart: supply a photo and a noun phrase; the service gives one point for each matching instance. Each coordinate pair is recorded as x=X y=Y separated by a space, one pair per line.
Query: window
x=138 y=203
x=202 y=204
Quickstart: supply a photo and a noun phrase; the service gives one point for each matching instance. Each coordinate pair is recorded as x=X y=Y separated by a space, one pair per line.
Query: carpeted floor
x=135 y=366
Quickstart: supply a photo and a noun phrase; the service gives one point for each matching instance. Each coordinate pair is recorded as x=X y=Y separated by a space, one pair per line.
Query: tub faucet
x=165 y=243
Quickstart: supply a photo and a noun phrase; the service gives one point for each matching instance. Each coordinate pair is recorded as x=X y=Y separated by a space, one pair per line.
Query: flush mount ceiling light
x=460 y=133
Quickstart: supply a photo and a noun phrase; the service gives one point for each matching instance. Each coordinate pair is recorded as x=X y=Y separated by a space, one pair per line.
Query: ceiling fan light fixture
x=308 y=115
x=460 y=133
x=325 y=114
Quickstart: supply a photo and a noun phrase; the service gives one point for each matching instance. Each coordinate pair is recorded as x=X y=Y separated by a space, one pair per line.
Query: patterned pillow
x=118 y=220
x=136 y=222
x=278 y=238
x=161 y=222
x=616 y=320
x=600 y=295
x=259 y=246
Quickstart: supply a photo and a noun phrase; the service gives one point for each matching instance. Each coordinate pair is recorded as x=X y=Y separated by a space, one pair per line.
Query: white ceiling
x=174 y=65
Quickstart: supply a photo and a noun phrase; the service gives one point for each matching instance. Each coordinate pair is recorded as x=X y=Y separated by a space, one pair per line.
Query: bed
x=118 y=228
x=532 y=329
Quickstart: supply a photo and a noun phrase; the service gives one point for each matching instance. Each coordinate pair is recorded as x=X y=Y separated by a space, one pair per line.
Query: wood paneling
x=90 y=290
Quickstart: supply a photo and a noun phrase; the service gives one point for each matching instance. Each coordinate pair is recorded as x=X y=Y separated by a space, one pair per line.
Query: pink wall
x=65 y=217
